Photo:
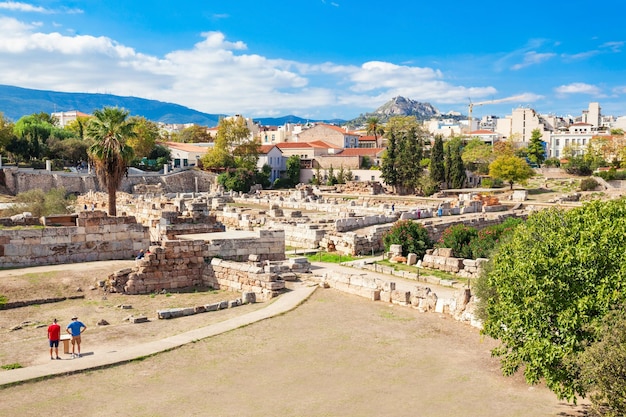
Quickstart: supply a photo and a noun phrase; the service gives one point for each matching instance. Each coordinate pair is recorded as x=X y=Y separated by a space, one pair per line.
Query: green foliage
x=454 y=166
x=231 y=133
x=437 y=170
x=401 y=165
x=603 y=365
x=477 y=155
x=577 y=165
x=511 y=169
x=549 y=284
x=488 y=239
x=333 y=258
x=588 y=184
x=536 y=151
x=239 y=179
x=552 y=163
x=35 y=201
x=109 y=129
x=3 y=299
x=458 y=238
x=492 y=183
x=611 y=174
x=11 y=366
x=411 y=235
x=263 y=176
x=293 y=170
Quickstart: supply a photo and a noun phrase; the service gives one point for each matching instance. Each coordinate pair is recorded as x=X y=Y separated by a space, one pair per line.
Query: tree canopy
x=110 y=129
x=401 y=167
x=510 y=169
x=549 y=285
x=536 y=150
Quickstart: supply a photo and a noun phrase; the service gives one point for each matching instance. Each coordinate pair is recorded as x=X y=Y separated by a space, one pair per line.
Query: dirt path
x=334 y=355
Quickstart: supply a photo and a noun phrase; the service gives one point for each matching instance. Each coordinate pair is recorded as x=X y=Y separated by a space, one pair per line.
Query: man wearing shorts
x=75 y=328
x=54 y=335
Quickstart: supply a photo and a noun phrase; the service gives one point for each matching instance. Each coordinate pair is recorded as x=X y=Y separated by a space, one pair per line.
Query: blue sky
x=323 y=59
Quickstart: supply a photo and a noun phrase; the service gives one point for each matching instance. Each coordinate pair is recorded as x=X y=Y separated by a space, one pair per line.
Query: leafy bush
x=237 y=180
x=492 y=183
x=35 y=201
x=458 y=238
x=552 y=163
x=578 y=166
x=411 y=235
x=611 y=174
x=588 y=184
x=488 y=238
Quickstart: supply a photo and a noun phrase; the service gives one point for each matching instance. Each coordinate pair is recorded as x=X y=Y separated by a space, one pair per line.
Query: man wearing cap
x=75 y=329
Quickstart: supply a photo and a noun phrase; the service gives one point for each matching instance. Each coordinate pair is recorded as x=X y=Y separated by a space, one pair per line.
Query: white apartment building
x=575 y=139
x=66 y=117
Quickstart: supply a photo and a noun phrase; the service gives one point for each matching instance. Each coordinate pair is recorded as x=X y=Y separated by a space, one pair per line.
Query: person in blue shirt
x=75 y=329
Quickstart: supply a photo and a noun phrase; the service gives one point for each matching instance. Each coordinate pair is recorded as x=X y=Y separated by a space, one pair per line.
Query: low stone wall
x=96 y=237
x=422 y=298
x=442 y=260
x=241 y=277
x=174 y=265
x=269 y=246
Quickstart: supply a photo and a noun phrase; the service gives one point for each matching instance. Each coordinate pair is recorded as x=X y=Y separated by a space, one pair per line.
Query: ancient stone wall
x=269 y=246
x=96 y=237
x=243 y=277
x=20 y=180
x=443 y=259
x=174 y=265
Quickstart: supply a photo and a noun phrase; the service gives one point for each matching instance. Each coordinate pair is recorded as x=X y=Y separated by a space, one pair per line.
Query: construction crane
x=470 y=107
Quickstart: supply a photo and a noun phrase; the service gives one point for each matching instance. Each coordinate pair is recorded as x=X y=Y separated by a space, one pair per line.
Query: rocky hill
x=399 y=106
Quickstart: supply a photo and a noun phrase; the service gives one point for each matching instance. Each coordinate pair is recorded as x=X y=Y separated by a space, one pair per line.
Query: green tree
x=536 y=150
x=193 y=134
x=145 y=138
x=231 y=133
x=458 y=238
x=389 y=173
x=247 y=155
x=110 y=129
x=553 y=281
x=6 y=132
x=293 y=170
x=374 y=127
x=437 y=165
x=477 y=155
x=332 y=180
x=603 y=365
x=411 y=235
x=457 y=167
x=239 y=179
x=510 y=169
x=341 y=175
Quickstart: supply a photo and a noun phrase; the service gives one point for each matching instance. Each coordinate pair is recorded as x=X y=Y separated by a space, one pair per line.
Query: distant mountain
x=16 y=102
x=279 y=121
x=399 y=106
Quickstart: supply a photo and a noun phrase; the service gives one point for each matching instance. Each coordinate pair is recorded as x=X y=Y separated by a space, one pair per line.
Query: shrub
x=458 y=238
x=411 y=235
x=552 y=163
x=488 y=238
x=492 y=183
x=588 y=184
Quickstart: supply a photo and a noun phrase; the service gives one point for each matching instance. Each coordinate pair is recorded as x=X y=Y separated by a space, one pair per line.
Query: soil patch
x=334 y=355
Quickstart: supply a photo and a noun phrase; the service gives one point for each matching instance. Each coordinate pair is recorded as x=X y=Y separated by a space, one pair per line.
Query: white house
x=187 y=154
x=273 y=157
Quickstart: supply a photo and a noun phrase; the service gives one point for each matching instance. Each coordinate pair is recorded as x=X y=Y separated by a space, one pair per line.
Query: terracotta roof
x=293 y=145
x=187 y=147
x=483 y=132
x=368 y=139
x=336 y=128
x=265 y=149
x=321 y=144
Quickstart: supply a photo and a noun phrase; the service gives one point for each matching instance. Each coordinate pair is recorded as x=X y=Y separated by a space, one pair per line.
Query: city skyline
x=323 y=59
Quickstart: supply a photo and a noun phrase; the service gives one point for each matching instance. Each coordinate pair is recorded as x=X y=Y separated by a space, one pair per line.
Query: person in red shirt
x=54 y=335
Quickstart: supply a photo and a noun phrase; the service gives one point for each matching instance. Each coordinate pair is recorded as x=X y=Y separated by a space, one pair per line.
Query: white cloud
x=578 y=88
x=533 y=58
x=22 y=7
x=215 y=75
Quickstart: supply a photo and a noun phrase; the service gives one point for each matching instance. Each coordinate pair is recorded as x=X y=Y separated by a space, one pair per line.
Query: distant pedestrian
x=140 y=255
x=75 y=329
x=419 y=214
x=54 y=335
x=393 y=208
x=439 y=212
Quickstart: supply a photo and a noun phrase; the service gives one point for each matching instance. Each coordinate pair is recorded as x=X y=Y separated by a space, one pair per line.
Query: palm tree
x=110 y=154
x=374 y=127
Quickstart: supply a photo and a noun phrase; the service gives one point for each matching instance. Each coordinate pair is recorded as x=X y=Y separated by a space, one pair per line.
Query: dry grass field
x=335 y=355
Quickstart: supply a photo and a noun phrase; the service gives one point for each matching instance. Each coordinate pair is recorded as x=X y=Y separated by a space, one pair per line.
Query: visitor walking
x=75 y=329
x=54 y=335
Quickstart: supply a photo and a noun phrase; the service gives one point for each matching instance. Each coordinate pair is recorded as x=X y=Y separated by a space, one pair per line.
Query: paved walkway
x=98 y=359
